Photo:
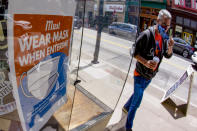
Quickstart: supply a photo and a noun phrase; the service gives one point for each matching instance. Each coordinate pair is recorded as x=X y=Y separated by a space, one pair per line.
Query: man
x=151 y=45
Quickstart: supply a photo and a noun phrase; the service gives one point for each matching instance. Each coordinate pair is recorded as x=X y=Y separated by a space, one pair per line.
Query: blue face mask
x=163 y=33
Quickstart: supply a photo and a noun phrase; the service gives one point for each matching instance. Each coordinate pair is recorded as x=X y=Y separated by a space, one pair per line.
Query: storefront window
x=188 y=3
x=193 y=24
x=179 y=20
x=196 y=4
x=133 y=9
x=187 y=22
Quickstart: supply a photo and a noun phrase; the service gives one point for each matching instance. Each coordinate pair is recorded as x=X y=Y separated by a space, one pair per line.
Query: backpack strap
x=151 y=31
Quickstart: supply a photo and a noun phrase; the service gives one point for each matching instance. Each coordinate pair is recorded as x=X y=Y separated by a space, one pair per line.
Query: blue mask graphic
x=163 y=33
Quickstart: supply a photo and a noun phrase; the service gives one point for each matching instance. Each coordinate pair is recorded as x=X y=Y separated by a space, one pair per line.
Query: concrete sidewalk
x=105 y=82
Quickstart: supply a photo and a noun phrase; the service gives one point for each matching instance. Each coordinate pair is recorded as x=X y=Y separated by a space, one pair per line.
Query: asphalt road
x=115 y=50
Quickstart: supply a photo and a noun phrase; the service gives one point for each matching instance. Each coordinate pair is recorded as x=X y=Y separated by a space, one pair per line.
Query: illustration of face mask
x=42 y=78
x=162 y=32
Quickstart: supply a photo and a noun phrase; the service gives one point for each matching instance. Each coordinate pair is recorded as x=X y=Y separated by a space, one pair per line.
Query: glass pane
x=186 y=22
x=105 y=47
x=193 y=24
x=179 y=20
x=188 y=3
x=103 y=73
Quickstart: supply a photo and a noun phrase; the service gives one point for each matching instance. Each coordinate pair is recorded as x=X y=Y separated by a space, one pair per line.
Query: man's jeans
x=140 y=84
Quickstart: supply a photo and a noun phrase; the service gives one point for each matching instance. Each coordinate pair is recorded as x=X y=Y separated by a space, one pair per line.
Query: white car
x=194 y=58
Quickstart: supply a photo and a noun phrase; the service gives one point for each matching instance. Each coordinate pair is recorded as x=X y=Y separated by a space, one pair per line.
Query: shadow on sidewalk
x=176 y=111
x=81 y=68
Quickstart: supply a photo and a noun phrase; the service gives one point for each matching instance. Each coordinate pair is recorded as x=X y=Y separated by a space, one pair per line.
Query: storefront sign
x=179 y=2
x=38 y=57
x=191 y=4
x=178 y=29
x=114 y=8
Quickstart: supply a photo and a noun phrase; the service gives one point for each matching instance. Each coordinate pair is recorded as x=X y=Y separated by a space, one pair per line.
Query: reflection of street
x=116 y=52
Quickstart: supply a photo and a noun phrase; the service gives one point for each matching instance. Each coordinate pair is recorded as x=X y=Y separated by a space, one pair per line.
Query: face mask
x=162 y=32
x=42 y=78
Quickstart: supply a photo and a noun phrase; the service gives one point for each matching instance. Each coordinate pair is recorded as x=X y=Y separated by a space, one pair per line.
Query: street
x=115 y=50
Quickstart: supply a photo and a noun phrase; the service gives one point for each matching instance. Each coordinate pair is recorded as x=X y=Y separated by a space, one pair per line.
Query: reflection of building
x=184 y=22
x=148 y=14
x=114 y=10
x=89 y=10
x=132 y=11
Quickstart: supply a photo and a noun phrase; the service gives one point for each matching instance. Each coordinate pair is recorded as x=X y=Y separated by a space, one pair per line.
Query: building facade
x=149 y=10
x=132 y=12
x=184 y=19
x=114 y=10
x=89 y=11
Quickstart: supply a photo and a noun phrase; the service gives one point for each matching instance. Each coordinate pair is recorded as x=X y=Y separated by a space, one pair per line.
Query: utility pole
x=100 y=26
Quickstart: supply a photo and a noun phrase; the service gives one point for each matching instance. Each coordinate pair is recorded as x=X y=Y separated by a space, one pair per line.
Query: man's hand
x=151 y=64
x=171 y=42
x=170 y=45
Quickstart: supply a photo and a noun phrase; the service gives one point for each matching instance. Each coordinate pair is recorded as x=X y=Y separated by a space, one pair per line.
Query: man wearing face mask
x=151 y=45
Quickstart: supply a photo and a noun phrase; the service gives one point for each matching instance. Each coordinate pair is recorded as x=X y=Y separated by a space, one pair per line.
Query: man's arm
x=148 y=63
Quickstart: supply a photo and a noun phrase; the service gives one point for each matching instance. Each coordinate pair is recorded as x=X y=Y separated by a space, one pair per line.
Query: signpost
x=166 y=98
x=100 y=27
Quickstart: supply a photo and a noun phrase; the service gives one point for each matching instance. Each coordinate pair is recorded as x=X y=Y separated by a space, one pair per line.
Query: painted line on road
x=175 y=65
x=113 y=43
x=107 y=41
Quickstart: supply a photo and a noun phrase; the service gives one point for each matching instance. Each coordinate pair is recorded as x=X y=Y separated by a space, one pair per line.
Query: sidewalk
x=105 y=82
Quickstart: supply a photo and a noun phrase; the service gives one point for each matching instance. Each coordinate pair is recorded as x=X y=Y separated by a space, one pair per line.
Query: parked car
x=123 y=29
x=77 y=22
x=182 y=47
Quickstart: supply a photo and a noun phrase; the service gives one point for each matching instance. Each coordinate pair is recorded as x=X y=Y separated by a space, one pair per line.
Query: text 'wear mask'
x=42 y=78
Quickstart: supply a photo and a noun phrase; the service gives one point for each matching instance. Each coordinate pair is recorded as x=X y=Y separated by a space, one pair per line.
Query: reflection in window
x=196 y=4
x=179 y=20
x=193 y=4
x=187 y=22
x=188 y=3
x=193 y=24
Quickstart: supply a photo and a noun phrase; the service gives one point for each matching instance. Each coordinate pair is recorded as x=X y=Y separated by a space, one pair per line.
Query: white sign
x=178 y=29
x=114 y=8
x=95 y=7
x=172 y=90
x=39 y=38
